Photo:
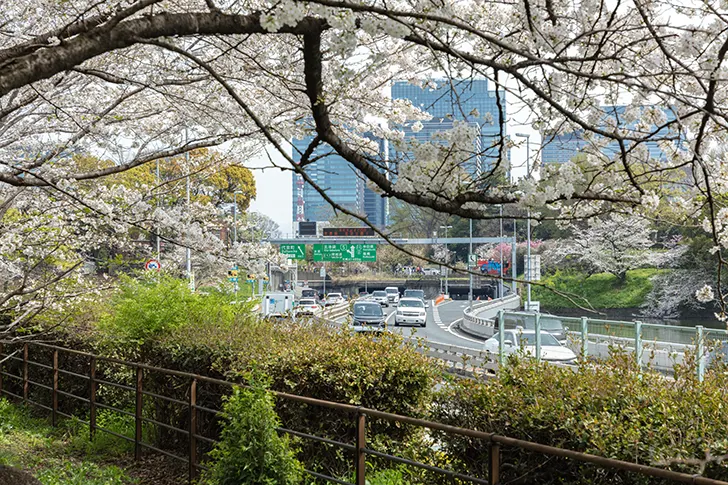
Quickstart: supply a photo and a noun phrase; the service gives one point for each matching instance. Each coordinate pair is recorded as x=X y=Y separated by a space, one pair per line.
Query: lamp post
x=500 y=245
x=189 y=251
x=470 y=270
x=235 y=215
x=159 y=203
x=447 y=260
x=528 y=222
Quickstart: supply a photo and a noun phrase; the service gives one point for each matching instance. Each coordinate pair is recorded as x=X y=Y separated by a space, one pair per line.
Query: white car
x=380 y=297
x=520 y=340
x=392 y=294
x=307 y=306
x=334 y=299
x=430 y=272
x=411 y=311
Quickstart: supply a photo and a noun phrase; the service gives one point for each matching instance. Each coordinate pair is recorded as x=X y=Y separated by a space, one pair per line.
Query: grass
x=55 y=456
x=601 y=290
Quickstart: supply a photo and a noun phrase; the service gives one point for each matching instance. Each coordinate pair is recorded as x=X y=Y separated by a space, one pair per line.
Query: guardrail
x=16 y=370
x=483 y=326
x=459 y=360
x=658 y=346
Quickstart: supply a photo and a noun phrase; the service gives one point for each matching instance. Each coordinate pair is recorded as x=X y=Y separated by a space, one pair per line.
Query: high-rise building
x=562 y=147
x=448 y=101
x=452 y=100
x=331 y=173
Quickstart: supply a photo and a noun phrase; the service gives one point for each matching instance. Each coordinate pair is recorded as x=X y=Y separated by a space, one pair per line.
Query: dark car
x=417 y=294
x=368 y=316
x=310 y=293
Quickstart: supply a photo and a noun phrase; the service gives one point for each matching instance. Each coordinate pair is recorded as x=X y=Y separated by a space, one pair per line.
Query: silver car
x=380 y=297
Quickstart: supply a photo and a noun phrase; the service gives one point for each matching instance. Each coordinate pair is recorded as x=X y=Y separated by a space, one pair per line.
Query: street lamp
x=470 y=270
x=446 y=257
x=528 y=221
x=235 y=215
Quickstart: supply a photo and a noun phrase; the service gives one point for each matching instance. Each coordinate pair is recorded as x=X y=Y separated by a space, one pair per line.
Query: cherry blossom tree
x=613 y=244
x=138 y=80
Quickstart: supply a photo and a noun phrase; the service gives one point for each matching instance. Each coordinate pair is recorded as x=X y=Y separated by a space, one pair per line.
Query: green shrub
x=609 y=409
x=311 y=360
x=158 y=304
x=250 y=450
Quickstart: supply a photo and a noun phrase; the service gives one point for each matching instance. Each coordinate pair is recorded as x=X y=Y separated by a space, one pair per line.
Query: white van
x=392 y=295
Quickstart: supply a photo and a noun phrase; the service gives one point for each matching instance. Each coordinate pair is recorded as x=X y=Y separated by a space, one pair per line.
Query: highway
x=440 y=327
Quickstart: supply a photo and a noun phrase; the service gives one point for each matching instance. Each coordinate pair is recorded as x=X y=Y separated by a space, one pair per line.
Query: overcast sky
x=273 y=187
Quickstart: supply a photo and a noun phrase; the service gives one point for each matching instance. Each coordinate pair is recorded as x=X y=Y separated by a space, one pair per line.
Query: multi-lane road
x=441 y=326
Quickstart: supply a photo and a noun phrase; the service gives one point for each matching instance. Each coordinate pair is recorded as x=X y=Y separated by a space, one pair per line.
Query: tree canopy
x=143 y=80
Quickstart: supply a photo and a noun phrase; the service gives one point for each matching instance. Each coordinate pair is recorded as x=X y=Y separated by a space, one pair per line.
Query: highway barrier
x=439 y=299
x=480 y=320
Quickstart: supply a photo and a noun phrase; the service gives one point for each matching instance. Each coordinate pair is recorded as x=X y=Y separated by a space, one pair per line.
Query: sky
x=273 y=187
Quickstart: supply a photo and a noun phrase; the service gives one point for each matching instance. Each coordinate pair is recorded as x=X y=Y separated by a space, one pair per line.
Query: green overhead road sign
x=294 y=251
x=345 y=252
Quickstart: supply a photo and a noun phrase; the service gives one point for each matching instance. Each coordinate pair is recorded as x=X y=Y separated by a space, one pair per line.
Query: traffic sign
x=322 y=272
x=345 y=252
x=294 y=251
x=472 y=260
x=152 y=264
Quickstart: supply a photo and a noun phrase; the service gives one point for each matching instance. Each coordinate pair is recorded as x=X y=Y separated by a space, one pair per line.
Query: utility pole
x=500 y=283
x=528 y=223
x=447 y=259
x=235 y=216
x=159 y=228
x=470 y=269
x=189 y=251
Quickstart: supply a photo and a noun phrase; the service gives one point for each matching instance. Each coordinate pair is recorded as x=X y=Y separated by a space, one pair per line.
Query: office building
x=331 y=173
x=562 y=147
x=448 y=101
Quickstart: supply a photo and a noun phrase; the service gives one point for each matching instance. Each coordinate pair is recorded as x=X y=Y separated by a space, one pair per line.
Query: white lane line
x=436 y=317
x=450 y=330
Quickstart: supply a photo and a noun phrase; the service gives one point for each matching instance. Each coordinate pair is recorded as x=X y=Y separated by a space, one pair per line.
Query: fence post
x=584 y=338
x=494 y=467
x=138 y=415
x=92 y=399
x=193 y=431
x=361 y=443
x=25 y=373
x=638 y=343
x=700 y=346
x=54 y=412
x=501 y=337
x=537 y=328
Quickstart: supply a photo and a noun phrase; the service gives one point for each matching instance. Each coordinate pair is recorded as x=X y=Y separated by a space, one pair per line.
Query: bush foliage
x=610 y=410
x=250 y=450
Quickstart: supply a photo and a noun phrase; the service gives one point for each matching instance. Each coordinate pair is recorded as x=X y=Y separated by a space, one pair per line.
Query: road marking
x=450 y=330
x=436 y=317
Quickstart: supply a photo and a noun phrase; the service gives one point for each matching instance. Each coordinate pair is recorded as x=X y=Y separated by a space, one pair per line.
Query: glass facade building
x=331 y=173
x=448 y=101
x=560 y=148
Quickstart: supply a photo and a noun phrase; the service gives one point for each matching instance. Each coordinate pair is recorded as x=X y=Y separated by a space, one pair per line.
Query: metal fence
x=15 y=365
x=657 y=346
